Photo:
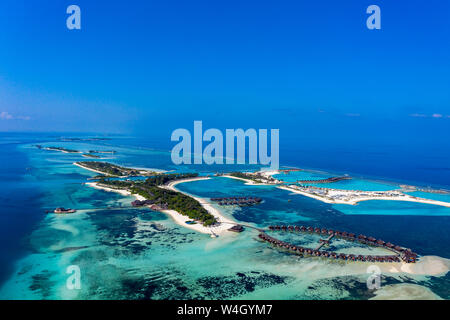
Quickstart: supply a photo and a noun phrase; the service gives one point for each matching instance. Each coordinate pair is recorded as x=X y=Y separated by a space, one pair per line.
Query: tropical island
x=259 y=177
x=89 y=155
x=113 y=170
x=328 y=195
x=157 y=192
x=60 y=149
x=103 y=151
x=159 y=198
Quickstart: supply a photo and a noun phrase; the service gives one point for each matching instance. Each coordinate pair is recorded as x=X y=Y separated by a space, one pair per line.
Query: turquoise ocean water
x=126 y=253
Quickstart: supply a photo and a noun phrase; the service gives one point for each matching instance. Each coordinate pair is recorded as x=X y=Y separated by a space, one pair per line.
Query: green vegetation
x=88 y=155
x=165 y=178
x=165 y=199
x=242 y=175
x=57 y=149
x=102 y=151
x=112 y=169
x=177 y=201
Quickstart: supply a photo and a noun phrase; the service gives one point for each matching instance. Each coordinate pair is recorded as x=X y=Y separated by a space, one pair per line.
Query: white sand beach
x=247 y=181
x=224 y=223
x=405 y=291
x=180 y=219
x=120 y=191
x=428 y=265
x=86 y=168
x=354 y=200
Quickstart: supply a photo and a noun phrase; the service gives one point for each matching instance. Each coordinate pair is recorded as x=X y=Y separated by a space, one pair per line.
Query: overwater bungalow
x=141 y=203
x=236 y=228
x=342 y=256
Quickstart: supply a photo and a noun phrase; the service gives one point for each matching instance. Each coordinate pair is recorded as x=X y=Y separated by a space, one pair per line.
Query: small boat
x=191 y=222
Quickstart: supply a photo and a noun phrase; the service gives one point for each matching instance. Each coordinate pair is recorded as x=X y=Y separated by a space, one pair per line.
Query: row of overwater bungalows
x=406 y=254
x=326 y=254
x=240 y=201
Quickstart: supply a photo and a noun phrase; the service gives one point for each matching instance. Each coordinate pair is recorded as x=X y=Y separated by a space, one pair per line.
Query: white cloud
x=418 y=115
x=434 y=115
x=4 y=115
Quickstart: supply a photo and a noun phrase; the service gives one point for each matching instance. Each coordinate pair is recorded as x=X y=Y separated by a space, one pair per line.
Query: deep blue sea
x=20 y=210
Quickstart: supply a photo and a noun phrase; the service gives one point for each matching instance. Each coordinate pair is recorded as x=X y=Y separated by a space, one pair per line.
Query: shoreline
x=377 y=179
x=407 y=198
x=247 y=181
x=225 y=223
x=93 y=170
x=353 y=202
x=178 y=218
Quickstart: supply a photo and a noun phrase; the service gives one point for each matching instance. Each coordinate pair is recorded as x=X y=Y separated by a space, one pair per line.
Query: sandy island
x=89 y=169
x=405 y=291
x=180 y=219
x=247 y=181
x=355 y=200
x=339 y=196
x=224 y=223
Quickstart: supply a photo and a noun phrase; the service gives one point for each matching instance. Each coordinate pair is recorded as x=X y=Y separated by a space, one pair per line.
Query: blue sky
x=310 y=68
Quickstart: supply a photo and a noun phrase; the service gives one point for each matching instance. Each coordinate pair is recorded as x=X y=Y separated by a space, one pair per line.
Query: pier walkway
x=323 y=242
